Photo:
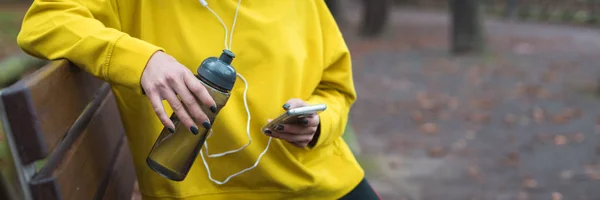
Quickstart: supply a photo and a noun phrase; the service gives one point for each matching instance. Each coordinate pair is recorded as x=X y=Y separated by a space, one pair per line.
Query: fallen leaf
x=548 y=76
x=543 y=94
x=556 y=196
x=579 y=137
x=453 y=103
x=522 y=196
x=444 y=116
x=529 y=183
x=523 y=48
x=436 y=152
x=560 y=140
x=528 y=90
x=460 y=144
x=566 y=174
x=592 y=172
x=470 y=134
x=478 y=118
x=538 y=115
x=510 y=119
x=416 y=116
x=394 y=164
x=524 y=121
x=484 y=104
x=425 y=102
x=429 y=128
x=512 y=158
x=512 y=138
x=560 y=119
x=544 y=137
x=571 y=113
x=474 y=172
x=391 y=108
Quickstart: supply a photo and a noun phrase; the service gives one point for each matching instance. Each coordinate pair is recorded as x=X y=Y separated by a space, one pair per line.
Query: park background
x=458 y=100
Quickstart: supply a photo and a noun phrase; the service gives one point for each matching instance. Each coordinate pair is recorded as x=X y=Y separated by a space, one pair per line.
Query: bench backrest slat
x=43 y=106
x=70 y=119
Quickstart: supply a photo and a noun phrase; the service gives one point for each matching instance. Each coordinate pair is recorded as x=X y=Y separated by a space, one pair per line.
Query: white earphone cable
x=205 y=4
x=247 y=128
x=222 y=23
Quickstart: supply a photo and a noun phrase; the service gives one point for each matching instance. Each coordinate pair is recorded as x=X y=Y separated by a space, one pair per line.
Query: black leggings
x=363 y=191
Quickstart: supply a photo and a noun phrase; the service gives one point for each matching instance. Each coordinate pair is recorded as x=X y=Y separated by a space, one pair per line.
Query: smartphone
x=292 y=115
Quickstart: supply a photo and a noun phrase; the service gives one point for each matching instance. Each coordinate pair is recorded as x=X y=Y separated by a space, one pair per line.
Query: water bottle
x=173 y=154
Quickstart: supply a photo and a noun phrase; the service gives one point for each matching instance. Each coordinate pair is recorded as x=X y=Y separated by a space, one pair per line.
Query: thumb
x=293 y=103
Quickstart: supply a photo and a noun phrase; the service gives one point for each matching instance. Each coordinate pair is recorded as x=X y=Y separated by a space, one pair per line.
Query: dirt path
x=518 y=123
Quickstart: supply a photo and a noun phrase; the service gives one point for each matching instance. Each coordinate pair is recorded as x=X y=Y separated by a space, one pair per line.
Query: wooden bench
x=61 y=137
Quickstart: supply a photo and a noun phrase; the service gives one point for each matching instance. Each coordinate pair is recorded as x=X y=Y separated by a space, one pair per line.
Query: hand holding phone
x=294 y=115
x=297 y=125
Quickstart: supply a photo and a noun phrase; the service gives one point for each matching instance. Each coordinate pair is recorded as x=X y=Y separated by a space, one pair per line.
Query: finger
x=191 y=104
x=159 y=109
x=308 y=121
x=179 y=110
x=200 y=92
x=295 y=129
x=293 y=103
x=298 y=141
x=292 y=138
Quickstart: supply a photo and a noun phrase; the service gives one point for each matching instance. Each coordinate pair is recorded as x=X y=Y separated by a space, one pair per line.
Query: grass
x=10 y=24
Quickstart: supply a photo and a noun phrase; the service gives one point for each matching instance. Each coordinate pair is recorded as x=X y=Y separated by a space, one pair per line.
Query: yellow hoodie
x=284 y=49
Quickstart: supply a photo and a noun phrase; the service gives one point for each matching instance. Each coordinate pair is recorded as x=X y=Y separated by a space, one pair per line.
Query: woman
x=289 y=53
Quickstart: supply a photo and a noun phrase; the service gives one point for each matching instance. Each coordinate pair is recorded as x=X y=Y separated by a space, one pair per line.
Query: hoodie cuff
x=325 y=133
x=127 y=61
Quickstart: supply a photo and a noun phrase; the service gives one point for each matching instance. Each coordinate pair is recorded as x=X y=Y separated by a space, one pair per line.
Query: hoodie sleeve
x=336 y=88
x=87 y=33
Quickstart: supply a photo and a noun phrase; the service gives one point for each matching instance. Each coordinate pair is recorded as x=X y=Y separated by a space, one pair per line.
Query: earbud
x=204 y=3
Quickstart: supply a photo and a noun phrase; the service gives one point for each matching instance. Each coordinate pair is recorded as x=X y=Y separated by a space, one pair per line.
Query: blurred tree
x=511 y=9
x=334 y=8
x=375 y=17
x=594 y=12
x=467 y=31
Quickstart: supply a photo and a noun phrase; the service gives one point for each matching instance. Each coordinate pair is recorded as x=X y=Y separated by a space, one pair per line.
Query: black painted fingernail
x=268 y=132
x=279 y=127
x=213 y=109
x=206 y=125
x=286 y=106
x=304 y=121
x=194 y=130
x=172 y=130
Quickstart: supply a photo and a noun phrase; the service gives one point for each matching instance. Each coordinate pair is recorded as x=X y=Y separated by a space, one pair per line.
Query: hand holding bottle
x=166 y=79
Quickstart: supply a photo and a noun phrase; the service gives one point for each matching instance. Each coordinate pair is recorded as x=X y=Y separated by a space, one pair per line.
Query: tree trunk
x=511 y=9
x=594 y=15
x=375 y=17
x=334 y=8
x=467 y=30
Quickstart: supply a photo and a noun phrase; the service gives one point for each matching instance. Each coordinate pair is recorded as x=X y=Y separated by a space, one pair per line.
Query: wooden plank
x=42 y=106
x=46 y=189
x=80 y=169
x=121 y=178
